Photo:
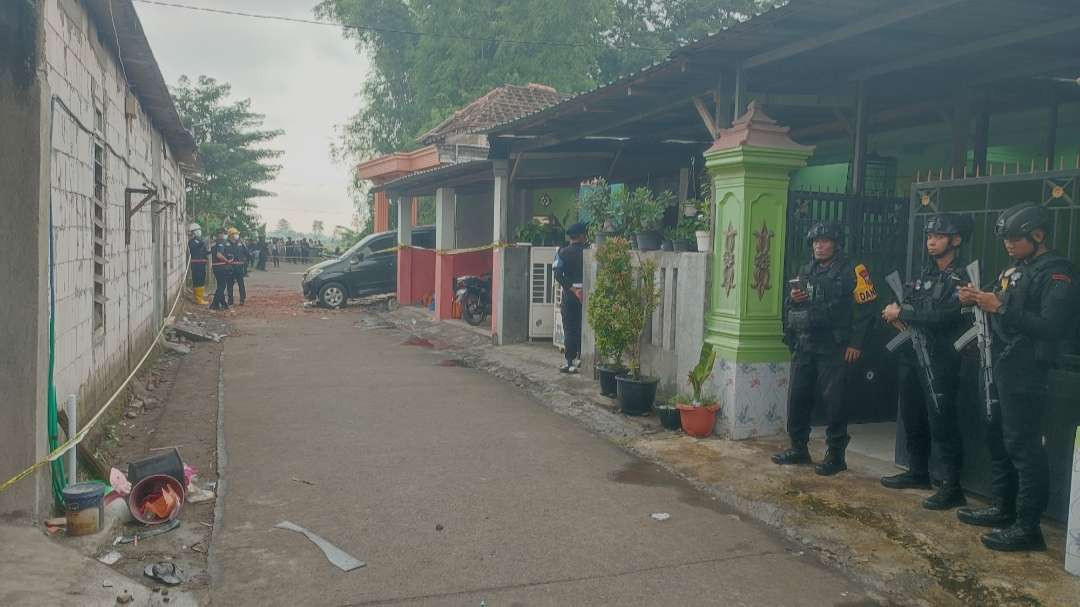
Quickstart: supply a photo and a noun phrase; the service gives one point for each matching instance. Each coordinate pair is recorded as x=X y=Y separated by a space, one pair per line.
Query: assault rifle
x=918 y=344
x=980 y=332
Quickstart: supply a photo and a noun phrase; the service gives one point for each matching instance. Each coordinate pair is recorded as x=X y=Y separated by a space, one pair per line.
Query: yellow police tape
x=81 y=434
x=487 y=247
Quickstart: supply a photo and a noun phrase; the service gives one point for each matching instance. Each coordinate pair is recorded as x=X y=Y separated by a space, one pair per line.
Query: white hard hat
x=193 y=227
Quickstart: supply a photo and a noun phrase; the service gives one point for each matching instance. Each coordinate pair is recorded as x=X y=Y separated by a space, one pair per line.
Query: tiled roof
x=498 y=106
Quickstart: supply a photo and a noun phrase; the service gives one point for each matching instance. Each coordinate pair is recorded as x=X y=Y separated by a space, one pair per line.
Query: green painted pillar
x=750 y=166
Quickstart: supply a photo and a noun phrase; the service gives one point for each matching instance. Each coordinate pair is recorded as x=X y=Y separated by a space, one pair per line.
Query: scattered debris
x=418 y=341
x=335 y=555
x=439 y=527
x=110 y=558
x=55 y=525
x=164 y=448
x=131 y=414
x=176 y=347
x=124 y=598
x=165 y=572
x=300 y=480
x=197 y=494
x=134 y=539
x=195 y=333
x=106 y=584
x=660 y=516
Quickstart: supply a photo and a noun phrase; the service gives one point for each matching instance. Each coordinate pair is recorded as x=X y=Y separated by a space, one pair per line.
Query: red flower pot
x=698 y=421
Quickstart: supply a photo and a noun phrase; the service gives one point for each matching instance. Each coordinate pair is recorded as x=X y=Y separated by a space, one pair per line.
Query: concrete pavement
x=455 y=488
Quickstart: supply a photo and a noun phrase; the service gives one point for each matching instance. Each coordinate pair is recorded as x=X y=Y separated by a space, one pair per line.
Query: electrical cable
x=386 y=30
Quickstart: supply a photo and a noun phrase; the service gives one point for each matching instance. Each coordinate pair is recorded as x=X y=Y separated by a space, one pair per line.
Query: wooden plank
x=851 y=30
x=1041 y=30
x=706 y=116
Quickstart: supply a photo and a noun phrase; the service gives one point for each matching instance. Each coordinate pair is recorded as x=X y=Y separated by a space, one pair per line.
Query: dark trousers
x=237 y=279
x=222 y=276
x=571 y=319
x=198 y=274
x=814 y=374
x=923 y=425
x=1018 y=464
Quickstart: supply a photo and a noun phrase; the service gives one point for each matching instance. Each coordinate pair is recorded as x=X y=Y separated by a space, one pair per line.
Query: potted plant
x=668 y=414
x=531 y=233
x=638 y=297
x=703 y=230
x=642 y=215
x=684 y=234
x=671 y=234
x=699 y=415
x=613 y=274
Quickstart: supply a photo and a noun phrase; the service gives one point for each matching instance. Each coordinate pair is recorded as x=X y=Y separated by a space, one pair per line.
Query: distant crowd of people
x=297 y=251
x=231 y=258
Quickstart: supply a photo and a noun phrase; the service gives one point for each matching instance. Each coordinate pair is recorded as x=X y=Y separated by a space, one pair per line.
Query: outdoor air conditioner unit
x=542 y=293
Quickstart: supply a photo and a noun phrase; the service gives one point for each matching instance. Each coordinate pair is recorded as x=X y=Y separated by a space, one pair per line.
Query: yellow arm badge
x=864 y=286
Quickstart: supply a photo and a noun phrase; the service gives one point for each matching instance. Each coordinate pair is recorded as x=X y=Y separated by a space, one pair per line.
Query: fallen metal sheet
x=338 y=557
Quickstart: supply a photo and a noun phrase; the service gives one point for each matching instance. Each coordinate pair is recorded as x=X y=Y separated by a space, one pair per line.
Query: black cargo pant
x=821 y=372
x=571 y=318
x=923 y=425
x=222 y=276
x=198 y=273
x=237 y=279
x=1018 y=464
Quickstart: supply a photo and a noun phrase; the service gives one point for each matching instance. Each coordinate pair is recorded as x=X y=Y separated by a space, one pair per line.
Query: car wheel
x=472 y=311
x=332 y=295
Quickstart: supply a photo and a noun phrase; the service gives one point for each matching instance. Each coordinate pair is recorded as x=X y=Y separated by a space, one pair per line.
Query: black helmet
x=826 y=229
x=1023 y=219
x=949 y=224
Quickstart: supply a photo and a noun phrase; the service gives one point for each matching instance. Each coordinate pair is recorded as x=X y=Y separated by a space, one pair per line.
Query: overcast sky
x=304 y=78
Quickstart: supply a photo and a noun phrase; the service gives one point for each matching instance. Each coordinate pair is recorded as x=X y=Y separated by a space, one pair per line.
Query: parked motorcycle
x=474 y=297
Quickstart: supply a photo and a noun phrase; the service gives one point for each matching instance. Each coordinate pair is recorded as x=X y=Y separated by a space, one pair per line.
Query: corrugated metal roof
x=144 y=76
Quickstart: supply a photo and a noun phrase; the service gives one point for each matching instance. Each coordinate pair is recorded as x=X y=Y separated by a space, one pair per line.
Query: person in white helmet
x=198 y=252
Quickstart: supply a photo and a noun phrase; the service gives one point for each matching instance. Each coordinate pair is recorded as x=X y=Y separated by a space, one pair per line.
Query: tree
x=467 y=47
x=284 y=226
x=232 y=152
x=318 y=228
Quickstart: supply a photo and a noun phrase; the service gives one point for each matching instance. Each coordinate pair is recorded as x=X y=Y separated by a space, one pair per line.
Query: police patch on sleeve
x=864 y=286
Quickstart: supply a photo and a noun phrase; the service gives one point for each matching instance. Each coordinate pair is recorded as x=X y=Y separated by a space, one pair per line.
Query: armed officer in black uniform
x=1030 y=310
x=221 y=261
x=828 y=313
x=932 y=306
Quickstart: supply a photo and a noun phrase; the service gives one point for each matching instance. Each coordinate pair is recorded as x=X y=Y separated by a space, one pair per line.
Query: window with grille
x=99 y=226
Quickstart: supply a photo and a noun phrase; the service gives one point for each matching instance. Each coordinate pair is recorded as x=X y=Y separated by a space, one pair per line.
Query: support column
x=405 y=254
x=509 y=313
x=858 y=147
x=381 y=213
x=445 y=240
x=750 y=167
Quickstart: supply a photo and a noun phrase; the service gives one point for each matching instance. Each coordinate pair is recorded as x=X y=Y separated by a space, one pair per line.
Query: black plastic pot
x=168 y=463
x=636 y=396
x=667 y=245
x=649 y=240
x=681 y=246
x=607 y=379
x=669 y=417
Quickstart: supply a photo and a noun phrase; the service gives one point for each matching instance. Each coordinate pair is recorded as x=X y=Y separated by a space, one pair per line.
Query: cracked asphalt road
x=454 y=487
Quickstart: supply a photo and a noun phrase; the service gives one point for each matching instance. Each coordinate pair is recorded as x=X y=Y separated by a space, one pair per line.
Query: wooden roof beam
x=1040 y=30
x=904 y=13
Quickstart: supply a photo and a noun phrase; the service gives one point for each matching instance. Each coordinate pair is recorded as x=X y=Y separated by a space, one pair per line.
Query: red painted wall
x=415 y=275
x=448 y=267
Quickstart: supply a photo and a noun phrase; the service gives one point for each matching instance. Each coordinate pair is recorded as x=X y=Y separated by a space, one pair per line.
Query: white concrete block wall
x=90 y=363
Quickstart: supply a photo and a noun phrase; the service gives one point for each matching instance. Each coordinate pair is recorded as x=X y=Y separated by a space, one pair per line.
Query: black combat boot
x=995 y=515
x=950 y=495
x=1019 y=537
x=834 y=462
x=910 y=479
x=796 y=454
